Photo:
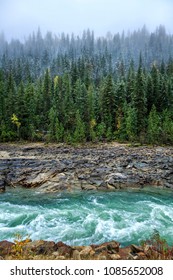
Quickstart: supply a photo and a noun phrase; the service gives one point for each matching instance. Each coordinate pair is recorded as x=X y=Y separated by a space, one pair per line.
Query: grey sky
x=18 y=18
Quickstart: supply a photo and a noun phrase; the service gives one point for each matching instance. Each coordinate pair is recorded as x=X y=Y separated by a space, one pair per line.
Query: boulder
x=115 y=257
x=41 y=247
x=6 y=248
x=87 y=252
x=124 y=252
x=64 y=249
x=101 y=256
x=111 y=247
x=137 y=253
x=76 y=255
x=136 y=249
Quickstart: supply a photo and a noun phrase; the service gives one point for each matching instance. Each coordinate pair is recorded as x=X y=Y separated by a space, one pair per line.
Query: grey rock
x=56 y=168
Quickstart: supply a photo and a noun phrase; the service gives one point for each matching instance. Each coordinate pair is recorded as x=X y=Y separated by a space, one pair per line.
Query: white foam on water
x=96 y=203
x=87 y=219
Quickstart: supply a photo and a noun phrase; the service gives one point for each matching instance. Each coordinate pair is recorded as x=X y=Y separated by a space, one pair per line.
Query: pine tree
x=121 y=133
x=30 y=101
x=101 y=131
x=17 y=123
x=131 y=124
x=91 y=113
x=59 y=131
x=10 y=98
x=130 y=83
x=22 y=111
x=52 y=123
x=153 y=131
x=139 y=101
x=167 y=127
x=156 y=93
x=149 y=93
x=47 y=95
x=2 y=98
x=79 y=133
x=67 y=104
x=81 y=100
x=108 y=106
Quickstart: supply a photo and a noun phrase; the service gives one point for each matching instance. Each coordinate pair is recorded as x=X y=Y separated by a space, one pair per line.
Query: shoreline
x=41 y=249
x=27 y=249
x=109 y=166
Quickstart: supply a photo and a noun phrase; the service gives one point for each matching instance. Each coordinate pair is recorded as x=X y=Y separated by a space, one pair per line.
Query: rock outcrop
x=55 y=168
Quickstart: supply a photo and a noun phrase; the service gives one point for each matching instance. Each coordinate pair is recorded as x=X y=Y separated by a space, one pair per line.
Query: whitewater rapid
x=84 y=218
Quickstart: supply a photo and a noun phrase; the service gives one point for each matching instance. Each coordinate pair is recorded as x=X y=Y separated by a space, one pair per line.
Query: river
x=82 y=218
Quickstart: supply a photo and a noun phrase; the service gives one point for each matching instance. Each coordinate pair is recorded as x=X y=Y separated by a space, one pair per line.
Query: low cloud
x=18 y=18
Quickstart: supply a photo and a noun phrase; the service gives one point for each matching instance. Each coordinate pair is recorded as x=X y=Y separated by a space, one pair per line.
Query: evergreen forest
x=73 y=89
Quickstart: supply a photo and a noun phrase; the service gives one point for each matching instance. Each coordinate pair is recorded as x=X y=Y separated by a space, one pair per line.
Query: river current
x=84 y=218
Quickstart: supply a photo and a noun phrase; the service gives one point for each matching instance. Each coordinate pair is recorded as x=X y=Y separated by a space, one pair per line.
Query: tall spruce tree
x=154 y=126
x=108 y=105
x=131 y=124
x=139 y=100
x=79 y=133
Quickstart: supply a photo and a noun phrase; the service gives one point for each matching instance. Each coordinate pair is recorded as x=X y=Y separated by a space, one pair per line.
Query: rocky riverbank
x=49 y=250
x=55 y=168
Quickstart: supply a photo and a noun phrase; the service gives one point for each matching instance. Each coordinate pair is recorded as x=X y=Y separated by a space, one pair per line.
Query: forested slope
x=69 y=88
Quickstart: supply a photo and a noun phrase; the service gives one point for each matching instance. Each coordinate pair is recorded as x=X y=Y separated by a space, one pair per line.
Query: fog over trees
x=71 y=88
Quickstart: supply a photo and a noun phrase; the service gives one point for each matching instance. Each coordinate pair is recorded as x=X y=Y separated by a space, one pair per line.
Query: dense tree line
x=76 y=89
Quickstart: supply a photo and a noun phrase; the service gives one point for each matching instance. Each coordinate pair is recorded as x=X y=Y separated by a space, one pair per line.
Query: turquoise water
x=86 y=217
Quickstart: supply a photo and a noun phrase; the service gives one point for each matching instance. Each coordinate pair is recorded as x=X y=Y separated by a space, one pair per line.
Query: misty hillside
x=81 y=88
x=102 y=54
